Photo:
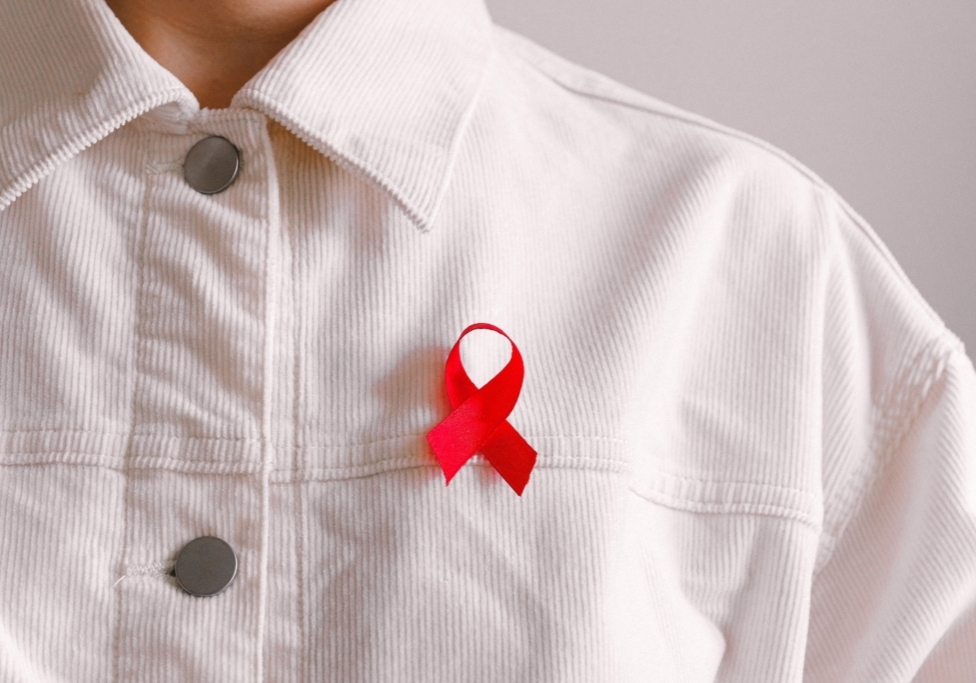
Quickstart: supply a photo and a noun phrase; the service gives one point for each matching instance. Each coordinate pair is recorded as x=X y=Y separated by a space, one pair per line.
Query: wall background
x=876 y=97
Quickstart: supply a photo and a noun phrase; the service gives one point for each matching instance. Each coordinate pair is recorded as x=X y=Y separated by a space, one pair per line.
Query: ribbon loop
x=478 y=419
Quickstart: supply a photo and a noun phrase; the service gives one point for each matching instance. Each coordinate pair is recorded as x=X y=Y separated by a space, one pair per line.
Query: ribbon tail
x=450 y=458
x=511 y=456
x=461 y=434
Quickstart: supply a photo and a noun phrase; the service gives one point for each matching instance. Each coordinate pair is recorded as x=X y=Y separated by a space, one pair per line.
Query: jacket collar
x=383 y=87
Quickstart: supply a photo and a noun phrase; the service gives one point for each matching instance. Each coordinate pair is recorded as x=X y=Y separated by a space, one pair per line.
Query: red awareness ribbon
x=478 y=420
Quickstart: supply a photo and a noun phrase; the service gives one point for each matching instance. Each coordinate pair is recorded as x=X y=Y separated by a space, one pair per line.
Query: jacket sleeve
x=893 y=598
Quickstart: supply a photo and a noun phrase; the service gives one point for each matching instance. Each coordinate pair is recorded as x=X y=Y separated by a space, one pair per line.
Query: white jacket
x=756 y=442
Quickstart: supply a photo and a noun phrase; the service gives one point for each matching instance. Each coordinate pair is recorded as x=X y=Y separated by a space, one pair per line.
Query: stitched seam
x=112 y=462
x=135 y=435
x=256 y=441
x=763 y=485
x=271 y=263
x=741 y=508
x=189 y=437
x=653 y=494
x=301 y=542
x=137 y=351
x=595 y=463
x=53 y=463
x=345 y=472
x=221 y=467
x=889 y=442
x=409 y=462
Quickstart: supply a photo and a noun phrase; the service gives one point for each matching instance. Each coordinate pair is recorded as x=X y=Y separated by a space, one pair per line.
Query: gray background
x=876 y=97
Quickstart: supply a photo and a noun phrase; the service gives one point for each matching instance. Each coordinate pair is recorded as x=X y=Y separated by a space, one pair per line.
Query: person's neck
x=215 y=46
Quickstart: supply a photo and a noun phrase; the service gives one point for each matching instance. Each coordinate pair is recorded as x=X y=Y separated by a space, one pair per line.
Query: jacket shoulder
x=642 y=112
x=698 y=147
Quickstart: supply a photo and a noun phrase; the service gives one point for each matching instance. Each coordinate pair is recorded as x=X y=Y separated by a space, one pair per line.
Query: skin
x=215 y=46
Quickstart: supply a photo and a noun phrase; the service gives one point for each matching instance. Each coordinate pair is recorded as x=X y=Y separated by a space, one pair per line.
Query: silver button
x=206 y=566
x=211 y=165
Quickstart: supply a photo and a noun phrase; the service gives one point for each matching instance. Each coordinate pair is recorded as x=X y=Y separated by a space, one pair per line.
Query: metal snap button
x=211 y=165
x=206 y=566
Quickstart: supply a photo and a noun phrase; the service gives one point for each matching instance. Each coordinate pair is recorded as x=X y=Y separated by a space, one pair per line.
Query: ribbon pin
x=478 y=419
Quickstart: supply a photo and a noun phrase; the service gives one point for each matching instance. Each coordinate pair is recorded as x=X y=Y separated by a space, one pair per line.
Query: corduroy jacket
x=756 y=442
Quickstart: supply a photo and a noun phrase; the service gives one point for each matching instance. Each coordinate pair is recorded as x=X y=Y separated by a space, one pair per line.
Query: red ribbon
x=478 y=420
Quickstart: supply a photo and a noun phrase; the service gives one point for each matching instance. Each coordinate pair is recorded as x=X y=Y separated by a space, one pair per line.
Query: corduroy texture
x=757 y=444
